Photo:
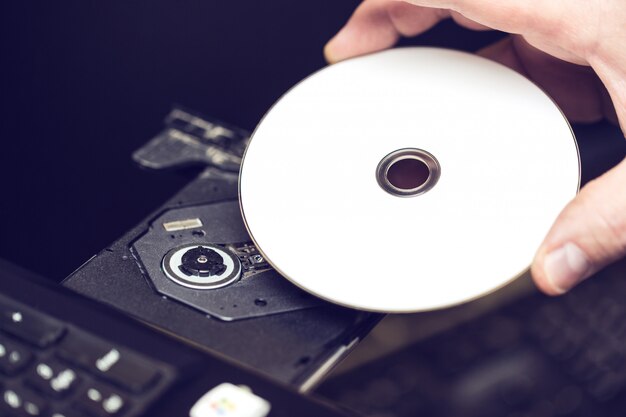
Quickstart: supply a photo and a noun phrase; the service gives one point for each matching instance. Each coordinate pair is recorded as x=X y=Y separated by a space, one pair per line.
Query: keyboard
x=63 y=355
x=51 y=367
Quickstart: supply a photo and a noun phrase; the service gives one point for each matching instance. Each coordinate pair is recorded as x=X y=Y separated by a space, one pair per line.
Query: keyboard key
x=22 y=403
x=13 y=358
x=53 y=379
x=29 y=325
x=100 y=401
x=101 y=359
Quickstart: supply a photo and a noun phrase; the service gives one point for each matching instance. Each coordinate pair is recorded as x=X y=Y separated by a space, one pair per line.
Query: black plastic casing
x=296 y=347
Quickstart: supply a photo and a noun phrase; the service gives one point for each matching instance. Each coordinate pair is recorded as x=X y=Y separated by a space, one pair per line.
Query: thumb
x=589 y=234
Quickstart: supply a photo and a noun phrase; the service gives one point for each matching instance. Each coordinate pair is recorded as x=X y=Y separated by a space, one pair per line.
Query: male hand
x=575 y=50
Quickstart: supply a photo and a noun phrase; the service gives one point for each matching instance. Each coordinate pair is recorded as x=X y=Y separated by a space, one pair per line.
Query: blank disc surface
x=503 y=163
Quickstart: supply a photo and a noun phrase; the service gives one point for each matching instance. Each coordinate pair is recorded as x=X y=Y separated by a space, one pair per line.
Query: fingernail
x=328 y=53
x=331 y=52
x=565 y=267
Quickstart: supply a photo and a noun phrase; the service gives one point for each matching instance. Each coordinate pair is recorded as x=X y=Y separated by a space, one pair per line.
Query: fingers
x=565 y=32
x=589 y=234
x=377 y=25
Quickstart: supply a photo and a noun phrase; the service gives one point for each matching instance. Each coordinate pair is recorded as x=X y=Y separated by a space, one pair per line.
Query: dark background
x=85 y=83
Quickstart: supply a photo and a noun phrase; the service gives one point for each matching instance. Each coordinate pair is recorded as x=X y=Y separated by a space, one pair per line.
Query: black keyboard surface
x=63 y=355
x=53 y=368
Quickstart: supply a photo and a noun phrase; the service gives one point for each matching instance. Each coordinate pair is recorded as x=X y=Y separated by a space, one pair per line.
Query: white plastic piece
x=228 y=400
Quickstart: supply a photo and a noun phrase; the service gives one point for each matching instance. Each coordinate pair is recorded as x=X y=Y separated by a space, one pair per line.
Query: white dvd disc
x=407 y=180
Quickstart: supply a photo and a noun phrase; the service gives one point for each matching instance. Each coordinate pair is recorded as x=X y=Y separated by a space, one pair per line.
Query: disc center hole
x=408 y=173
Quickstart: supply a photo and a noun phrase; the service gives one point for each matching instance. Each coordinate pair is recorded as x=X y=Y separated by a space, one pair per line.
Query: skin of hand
x=576 y=51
